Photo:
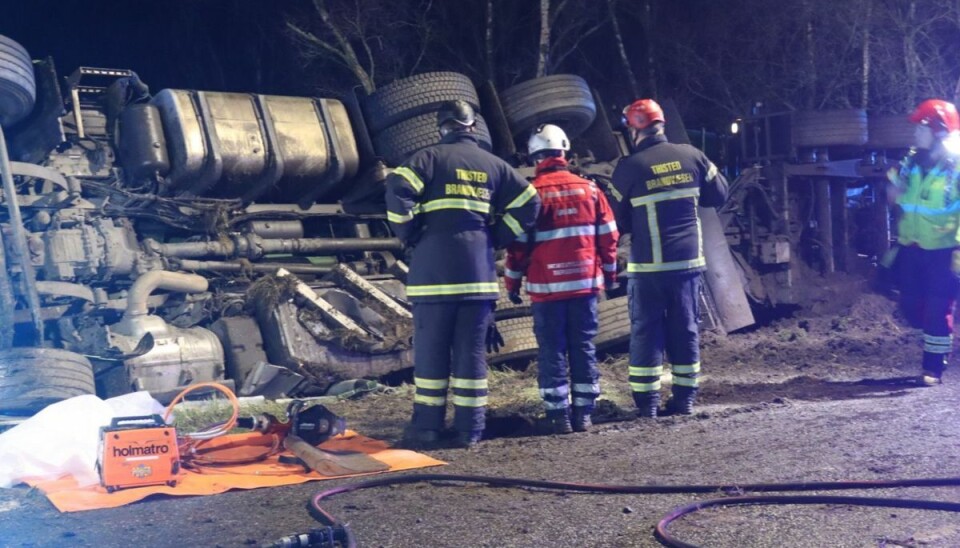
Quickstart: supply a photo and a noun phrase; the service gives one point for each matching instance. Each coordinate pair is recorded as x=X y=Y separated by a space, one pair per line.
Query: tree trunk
x=618 y=37
x=865 y=81
x=910 y=60
x=488 y=42
x=810 y=80
x=648 y=38
x=544 y=38
x=345 y=50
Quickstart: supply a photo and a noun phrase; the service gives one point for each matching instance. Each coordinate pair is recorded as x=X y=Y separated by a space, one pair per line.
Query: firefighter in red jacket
x=656 y=193
x=926 y=187
x=569 y=257
x=454 y=203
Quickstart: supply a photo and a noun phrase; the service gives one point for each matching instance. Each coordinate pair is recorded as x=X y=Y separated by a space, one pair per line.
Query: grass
x=512 y=393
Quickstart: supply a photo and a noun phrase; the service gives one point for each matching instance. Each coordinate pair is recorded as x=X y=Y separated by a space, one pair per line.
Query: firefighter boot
x=930 y=378
x=933 y=366
x=469 y=440
x=682 y=401
x=581 y=419
x=417 y=438
x=558 y=421
x=647 y=404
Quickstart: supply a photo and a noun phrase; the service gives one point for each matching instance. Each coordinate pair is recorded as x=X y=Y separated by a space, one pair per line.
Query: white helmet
x=547 y=137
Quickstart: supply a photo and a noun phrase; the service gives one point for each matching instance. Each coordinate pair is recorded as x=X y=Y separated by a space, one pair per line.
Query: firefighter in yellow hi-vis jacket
x=926 y=187
x=454 y=202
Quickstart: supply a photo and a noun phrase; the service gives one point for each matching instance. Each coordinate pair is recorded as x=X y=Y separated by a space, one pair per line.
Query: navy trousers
x=928 y=290
x=664 y=316
x=565 y=331
x=449 y=351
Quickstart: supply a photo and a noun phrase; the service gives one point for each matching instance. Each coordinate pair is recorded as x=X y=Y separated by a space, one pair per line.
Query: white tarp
x=63 y=438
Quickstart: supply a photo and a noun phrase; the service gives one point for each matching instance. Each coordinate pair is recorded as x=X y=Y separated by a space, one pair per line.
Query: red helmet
x=641 y=113
x=940 y=115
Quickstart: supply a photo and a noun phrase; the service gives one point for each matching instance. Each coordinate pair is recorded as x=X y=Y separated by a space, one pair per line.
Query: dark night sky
x=168 y=46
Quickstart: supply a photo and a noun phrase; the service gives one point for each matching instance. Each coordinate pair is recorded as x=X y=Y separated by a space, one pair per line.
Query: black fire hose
x=346 y=537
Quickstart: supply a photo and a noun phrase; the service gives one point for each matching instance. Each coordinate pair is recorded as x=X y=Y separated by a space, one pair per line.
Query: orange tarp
x=208 y=480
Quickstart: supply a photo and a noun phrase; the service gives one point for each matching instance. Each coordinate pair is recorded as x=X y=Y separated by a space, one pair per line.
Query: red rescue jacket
x=573 y=248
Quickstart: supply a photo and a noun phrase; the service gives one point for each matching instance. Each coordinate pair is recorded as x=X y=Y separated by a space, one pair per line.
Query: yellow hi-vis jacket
x=930 y=203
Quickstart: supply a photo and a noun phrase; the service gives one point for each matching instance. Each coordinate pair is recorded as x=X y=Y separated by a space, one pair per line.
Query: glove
x=494 y=339
x=610 y=286
x=514 y=297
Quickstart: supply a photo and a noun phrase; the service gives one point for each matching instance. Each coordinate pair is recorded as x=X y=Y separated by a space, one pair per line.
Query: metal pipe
x=825 y=225
x=237 y=266
x=276 y=229
x=160 y=279
x=328 y=245
x=20 y=238
x=841 y=225
x=8 y=303
x=252 y=246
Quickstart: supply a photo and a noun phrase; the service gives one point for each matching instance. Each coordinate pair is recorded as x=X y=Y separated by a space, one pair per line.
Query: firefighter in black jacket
x=656 y=193
x=455 y=203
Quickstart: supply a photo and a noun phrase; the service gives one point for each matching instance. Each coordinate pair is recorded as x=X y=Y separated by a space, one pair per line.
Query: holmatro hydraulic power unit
x=138 y=451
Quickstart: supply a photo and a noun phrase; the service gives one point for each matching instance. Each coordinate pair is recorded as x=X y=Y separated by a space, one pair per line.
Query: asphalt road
x=891 y=431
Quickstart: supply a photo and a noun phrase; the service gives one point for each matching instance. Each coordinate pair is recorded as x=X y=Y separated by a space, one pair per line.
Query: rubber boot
x=416 y=438
x=469 y=440
x=933 y=366
x=558 y=421
x=682 y=401
x=647 y=404
x=581 y=419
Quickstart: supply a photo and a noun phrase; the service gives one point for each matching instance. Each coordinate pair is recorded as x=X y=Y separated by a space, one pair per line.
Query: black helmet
x=456 y=111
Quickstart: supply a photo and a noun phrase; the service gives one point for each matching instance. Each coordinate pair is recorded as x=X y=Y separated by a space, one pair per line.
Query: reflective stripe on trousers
x=449 y=351
x=664 y=317
x=565 y=330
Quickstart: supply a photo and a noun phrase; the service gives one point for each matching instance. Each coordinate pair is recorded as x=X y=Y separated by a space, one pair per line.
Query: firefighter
x=926 y=187
x=454 y=203
x=569 y=257
x=656 y=192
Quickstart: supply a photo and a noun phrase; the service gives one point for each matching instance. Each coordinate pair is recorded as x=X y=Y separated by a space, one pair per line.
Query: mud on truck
x=155 y=240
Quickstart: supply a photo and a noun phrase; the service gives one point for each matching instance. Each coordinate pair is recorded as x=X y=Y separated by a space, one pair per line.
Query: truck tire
x=561 y=99
x=33 y=378
x=614 y=319
x=818 y=128
x=889 y=131
x=18 y=89
x=506 y=309
x=416 y=95
x=396 y=143
x=519 y=341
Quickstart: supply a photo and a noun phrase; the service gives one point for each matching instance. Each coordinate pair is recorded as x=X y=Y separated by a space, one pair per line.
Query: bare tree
x=336 y=45
x=865 y=76
x=373 y=40
x=543 y=49
x=914 y=50
x=564 y=26
x=488 y=45
x=621 y=49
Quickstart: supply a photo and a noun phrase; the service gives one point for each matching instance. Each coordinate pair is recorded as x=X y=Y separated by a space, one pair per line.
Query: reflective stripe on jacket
x=930 y=203
x=573 y=249
x=455 y=202
x=656 y=194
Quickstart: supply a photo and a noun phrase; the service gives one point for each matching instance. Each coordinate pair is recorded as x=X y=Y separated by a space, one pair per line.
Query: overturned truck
x=155 y=240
